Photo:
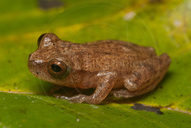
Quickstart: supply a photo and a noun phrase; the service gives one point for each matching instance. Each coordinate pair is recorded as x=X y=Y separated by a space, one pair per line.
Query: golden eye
x=39 y=39
x=57 y=69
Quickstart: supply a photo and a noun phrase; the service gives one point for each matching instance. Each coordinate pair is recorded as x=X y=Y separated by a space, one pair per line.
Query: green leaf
x=163 y=25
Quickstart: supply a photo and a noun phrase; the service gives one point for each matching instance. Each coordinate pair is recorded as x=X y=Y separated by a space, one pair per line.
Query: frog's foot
x=122 y=93
x=75 y=99
x=128 y=94
x=79 y=99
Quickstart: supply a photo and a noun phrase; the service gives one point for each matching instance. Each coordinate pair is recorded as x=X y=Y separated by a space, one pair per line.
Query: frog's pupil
x=55 y=68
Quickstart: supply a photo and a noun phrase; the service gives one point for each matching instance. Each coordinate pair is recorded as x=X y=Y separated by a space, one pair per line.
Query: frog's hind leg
x=145 y=78
x=146 y=72
x=127 y=94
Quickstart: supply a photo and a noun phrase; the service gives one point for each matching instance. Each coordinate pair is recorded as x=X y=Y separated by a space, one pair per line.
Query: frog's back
x=109 y=55
x=116 y=46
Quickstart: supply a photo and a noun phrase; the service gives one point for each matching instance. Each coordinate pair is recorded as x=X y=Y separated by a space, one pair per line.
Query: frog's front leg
x=105 y=82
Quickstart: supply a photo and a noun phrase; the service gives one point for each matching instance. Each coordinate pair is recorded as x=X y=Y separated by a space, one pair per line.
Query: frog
x=110 y=67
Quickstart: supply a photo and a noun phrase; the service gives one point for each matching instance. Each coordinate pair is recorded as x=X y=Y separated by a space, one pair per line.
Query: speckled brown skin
x=130 y=70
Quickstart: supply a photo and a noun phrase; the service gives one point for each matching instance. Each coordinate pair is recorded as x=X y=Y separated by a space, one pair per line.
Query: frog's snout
x=35 y=67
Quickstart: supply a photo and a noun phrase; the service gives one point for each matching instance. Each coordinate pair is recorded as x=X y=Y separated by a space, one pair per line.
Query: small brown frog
x=110 y=66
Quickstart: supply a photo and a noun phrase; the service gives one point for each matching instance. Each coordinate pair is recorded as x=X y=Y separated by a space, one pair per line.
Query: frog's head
x=46 y=62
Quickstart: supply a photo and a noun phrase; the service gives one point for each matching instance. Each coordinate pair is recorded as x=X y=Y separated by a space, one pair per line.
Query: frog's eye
x=39 y=39
x=57 y=69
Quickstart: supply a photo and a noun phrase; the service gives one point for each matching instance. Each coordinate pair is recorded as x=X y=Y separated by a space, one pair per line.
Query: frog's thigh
x=146 y=73
x=140 y=79
x=127 y=94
